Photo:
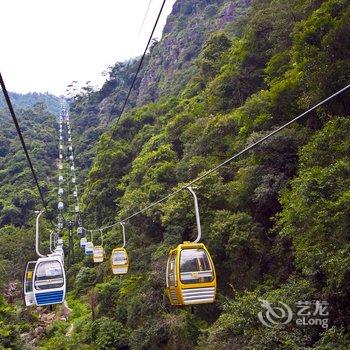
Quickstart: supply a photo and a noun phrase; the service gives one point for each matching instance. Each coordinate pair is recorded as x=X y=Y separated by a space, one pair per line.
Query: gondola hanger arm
x=101 y=232
x=37 y=234
x=196 y=208
x=123 y=226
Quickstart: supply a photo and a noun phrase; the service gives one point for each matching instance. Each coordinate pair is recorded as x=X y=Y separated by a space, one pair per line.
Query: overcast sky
x=50 y=43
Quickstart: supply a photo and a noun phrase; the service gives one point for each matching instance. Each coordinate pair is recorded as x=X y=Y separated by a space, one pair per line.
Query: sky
x=47 y=44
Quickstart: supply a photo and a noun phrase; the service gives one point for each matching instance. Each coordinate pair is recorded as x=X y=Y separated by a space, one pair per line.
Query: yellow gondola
x=191 y=277
x=190 y=273
x=119 y=261
x=119 y=258
x=99 y=252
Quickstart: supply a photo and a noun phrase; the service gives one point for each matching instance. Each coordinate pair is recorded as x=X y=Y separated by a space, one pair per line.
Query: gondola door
x=28 y=283
x=171 y=279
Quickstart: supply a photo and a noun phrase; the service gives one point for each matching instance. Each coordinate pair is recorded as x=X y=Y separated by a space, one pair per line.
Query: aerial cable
x=10 y=107
x=144 y=18
x=210 y=171
x=131 y=55
x=72 y=172
x=137 y=73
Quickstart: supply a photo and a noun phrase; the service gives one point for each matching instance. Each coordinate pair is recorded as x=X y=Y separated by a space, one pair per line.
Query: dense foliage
x=18 y=201
x=18 y=195
x=276 y=221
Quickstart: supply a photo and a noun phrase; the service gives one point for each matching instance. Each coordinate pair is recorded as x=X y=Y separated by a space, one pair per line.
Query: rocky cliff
x=172 y=61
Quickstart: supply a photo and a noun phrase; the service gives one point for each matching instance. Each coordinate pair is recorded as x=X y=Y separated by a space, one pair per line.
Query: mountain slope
x=276 y=221
x=168 y=67
x=172 y=63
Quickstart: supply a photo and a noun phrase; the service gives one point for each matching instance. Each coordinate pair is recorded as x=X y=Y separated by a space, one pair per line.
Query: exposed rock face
x=12 y=292
x=45 y=318
x=171 y=64
x=165 y=71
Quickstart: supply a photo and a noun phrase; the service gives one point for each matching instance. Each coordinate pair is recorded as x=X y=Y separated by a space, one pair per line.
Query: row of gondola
x=45 y=279
x=190 y=271
x=119 y=260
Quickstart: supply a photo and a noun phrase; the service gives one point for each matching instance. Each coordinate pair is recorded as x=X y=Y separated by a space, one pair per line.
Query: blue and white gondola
x=49 y=281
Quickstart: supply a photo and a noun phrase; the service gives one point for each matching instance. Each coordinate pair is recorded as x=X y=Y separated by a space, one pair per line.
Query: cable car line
x=131 y=57
x=66 y=147
x=15 y=120
x=190 y=271
x=12 y=112
x=128 y=64
x=210 y=171
x=45 y=280
x=137 y=73
x=144 y=18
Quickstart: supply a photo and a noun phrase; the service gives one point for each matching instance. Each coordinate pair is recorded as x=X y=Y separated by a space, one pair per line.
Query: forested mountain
x=18 y=201
x=18 y=196
x=173 y=60
x=30 y=99
x=171 y=63
x=276 y=221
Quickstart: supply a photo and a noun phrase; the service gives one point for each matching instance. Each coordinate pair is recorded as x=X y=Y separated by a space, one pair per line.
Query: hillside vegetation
x=276 y=221
x=18 y=201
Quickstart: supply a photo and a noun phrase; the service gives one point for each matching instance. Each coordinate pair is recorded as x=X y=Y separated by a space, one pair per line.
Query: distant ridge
x=32 y=98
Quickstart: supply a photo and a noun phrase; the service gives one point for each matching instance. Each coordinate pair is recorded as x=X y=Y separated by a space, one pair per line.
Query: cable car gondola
x=44 y=280
x=59 y=254
x=59 y=249
x=119 y=261
x=83 y=242
x=89 y=248
x=80 y=231
x=190 y=273
x=99 y=252
x=119 y=258
x=28 y=283
x=49 y=281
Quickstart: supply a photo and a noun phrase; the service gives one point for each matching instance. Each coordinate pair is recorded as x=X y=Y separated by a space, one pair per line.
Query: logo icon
x=274 y=314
